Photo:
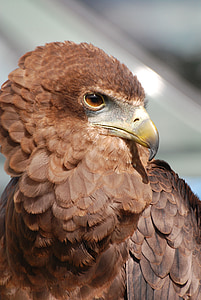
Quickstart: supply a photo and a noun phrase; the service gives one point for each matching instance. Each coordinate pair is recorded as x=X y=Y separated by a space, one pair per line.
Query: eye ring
x=94 y=101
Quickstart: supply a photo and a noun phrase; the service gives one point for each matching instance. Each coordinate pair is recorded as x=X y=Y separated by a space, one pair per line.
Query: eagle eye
x=94 y=101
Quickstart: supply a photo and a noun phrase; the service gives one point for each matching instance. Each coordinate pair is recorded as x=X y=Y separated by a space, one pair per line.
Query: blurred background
x=160 y=41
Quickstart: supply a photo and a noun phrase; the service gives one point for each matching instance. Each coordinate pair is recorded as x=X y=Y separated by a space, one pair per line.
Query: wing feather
x=167 y=259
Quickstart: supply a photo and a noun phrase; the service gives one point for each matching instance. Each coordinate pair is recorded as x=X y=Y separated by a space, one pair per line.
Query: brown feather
x=86 y=216
x=37 y=169
x=16 y=131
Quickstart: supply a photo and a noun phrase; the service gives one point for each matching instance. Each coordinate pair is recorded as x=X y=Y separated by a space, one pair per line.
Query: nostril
x=137 y=119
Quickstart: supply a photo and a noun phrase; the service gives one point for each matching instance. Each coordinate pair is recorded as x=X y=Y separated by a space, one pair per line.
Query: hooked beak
x=135 y=125
x=144 y=131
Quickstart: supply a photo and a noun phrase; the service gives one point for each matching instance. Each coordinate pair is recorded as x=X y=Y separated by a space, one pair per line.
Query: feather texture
x=167 y=254
x=85 y=215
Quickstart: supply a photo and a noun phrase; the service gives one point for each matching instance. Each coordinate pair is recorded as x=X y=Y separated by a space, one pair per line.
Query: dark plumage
x=88 y=213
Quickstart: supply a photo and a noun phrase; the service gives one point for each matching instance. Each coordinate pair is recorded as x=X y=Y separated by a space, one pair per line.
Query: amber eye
x=94 y=101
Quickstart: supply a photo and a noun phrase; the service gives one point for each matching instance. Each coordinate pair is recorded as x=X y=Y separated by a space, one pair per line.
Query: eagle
x=88 y=212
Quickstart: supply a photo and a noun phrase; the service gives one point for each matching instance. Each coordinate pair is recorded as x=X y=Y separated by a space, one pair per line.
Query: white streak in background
x=170 y=98
x=150 y=80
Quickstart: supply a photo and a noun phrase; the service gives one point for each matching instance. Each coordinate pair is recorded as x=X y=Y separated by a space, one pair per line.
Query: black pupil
x=94 y=100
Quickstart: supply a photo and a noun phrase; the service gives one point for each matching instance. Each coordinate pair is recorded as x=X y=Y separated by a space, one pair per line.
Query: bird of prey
x=89 y=213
